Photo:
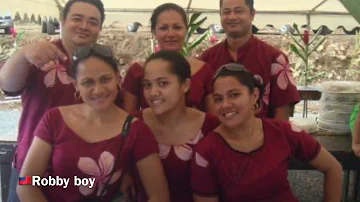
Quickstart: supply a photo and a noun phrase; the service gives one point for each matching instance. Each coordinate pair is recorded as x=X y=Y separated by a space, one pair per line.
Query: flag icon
x=25 y=180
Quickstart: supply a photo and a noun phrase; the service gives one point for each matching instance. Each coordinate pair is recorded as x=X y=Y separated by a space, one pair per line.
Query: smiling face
x=97 y=83
x=82 y=24
x=236 y=18
x=163 y=90
x=234 y=103
x=170 y=30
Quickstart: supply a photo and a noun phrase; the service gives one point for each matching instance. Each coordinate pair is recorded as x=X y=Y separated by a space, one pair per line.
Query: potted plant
x=303 y=46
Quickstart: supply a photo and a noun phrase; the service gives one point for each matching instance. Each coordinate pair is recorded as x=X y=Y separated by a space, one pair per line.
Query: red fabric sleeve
x=133 y=80
x=138 y=114
x=203 y=177
x=208 y=75
x=211 y=122
x=304 y=147
x=145 y=143
x=283 y=87
x=44 y=129
x=205 y=56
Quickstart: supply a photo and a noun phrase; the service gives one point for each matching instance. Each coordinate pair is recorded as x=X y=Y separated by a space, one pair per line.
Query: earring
x=256 y=106
x=77 y=95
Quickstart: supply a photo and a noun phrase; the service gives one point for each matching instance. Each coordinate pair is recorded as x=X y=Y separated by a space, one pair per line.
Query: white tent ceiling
x=261 y=5
x=274 y=12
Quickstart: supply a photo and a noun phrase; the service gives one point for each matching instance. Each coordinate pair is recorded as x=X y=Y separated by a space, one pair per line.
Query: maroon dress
x=73 y=156
x=269 y=65
x=46 y=87
x=176 y=160
x=200 y=86
x=261 y=175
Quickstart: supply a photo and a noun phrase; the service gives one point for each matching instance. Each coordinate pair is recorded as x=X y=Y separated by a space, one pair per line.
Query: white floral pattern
x=183 y=152
x=201 y=161
x=294 y=127
x=282 y=67
x=54 y=69
x=100 y=171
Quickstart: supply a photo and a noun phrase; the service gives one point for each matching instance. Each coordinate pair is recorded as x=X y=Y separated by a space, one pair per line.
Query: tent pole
x=317 y=6
x=308 y=20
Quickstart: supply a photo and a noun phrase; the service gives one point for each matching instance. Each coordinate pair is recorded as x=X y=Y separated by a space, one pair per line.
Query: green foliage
x=355 y=60
x=303 y=47
x=32 y=18
x=193 y=25
x=17 y=17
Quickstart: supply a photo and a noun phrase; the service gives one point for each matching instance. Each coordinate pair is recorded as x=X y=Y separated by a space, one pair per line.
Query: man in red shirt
x=39 y=73
x=267 y=63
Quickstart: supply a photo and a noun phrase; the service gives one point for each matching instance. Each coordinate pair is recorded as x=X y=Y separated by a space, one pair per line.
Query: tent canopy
x=269 y=12
x=330 y=13
x=260 y=5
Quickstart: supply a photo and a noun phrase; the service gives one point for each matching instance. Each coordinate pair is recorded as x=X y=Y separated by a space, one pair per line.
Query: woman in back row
x=169 y=26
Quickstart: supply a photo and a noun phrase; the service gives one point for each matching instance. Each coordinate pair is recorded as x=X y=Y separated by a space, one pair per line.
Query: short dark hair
x=249 y=3
x=179 y=66
x=165 y=7
x=246 y=78
x=97 y=3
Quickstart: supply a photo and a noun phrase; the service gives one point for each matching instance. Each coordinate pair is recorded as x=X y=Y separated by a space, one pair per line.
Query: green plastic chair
x=353 y=117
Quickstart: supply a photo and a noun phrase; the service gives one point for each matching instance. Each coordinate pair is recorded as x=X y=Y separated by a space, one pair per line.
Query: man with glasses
x=39 y=73
x=267 y=63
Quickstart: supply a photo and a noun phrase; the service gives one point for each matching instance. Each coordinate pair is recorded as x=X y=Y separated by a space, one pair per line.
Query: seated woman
x=95 y=139
x=246 y=158
x=177 y=128
x=169 y=26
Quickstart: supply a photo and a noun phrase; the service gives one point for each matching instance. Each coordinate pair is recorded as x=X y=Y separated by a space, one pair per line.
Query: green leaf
x=193 y=27
x=295 y=26
x=198 y=41
x=297 y=52
x=316 y=46
x=316 y=35
x=297 y=42
x=185 y=51
x=194 y=17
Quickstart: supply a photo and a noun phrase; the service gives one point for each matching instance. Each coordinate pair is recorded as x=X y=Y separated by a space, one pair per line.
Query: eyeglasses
x=234 y=67
x=96 y=49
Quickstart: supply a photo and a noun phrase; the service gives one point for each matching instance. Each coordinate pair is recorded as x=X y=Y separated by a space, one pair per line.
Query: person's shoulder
x=54 y=111
x=135 y=70
x=277 y=127
x=138 y=125
x=214 y=48
x=53 y=117
x=267 y=48
x=209 y=142
x=138 y=114
x=194 y=62
x=211 y=122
